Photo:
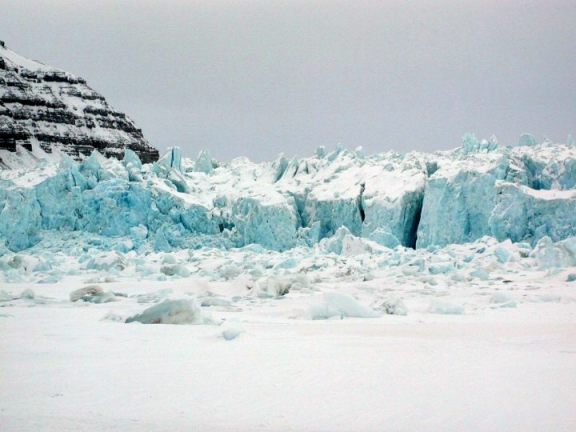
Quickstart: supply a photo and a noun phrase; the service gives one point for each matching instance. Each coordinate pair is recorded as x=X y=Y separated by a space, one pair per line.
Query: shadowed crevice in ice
x=360 y=203
x=413 y=221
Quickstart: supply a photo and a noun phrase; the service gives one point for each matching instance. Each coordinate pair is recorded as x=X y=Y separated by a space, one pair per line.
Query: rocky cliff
x=47 y=107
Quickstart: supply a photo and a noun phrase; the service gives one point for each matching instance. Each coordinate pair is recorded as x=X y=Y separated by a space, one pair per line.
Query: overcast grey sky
x=257 y=78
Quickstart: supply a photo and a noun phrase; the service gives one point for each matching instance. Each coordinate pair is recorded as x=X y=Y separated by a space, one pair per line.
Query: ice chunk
x=392 y=306
x=502 y=254
x=211 y=300
x=445 y=307
x=92 y=294
x=527 y=139
x=107 y=261
x=549 y=298
x=5 y=296
x=481 y=274
x=384 y=238
x=280 y=286
x=441 y=268
x=183 y=311
x=28 y=263
x=175 y=270
x=229 y=271
x=470 y=143
x=334 y=304
x=503 y=299
x=550 y=255
x=172 y=160
x=27 y=294
x=345 y=243
x=204 y=162
x=231 y=333
x=133 y=165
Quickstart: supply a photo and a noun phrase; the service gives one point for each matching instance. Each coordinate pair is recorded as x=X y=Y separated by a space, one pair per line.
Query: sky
x=257 y=78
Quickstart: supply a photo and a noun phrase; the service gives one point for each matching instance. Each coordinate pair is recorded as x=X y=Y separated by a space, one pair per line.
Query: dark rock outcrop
x=47 y=107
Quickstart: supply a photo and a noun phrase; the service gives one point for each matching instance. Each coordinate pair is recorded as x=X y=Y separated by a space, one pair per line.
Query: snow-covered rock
x=43 y=108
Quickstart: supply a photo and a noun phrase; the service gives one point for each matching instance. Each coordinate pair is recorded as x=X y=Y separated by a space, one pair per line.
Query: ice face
x=389 y=200
x=523 y=193
x=20 y=219
x=272 y=226
x=457 y=210
x=522 y=213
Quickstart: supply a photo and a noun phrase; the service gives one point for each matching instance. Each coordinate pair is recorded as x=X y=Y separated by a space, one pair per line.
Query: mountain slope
x=44 y=107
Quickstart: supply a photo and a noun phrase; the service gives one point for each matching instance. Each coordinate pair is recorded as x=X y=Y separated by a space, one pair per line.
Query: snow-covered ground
x=398 y=352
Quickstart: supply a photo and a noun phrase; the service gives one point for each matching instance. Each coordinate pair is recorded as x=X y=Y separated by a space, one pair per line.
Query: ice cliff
x=45 y=107
x=416 y=200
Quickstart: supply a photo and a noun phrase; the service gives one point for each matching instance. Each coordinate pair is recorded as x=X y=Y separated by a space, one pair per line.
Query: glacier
x=414 y=200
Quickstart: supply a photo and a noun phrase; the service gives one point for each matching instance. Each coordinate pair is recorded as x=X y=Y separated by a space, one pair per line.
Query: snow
x=19 y=60
x=83 y=368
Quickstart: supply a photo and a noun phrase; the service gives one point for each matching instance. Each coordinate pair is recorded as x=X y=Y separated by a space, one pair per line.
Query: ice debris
x=503 y=299
x=280 y=286
x=231 y=333
x=339 y=305
x=446 y=307
x=28 y=294
x=92 y=294
x=392 y=306
x=183 y=311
